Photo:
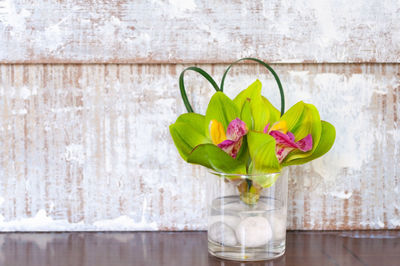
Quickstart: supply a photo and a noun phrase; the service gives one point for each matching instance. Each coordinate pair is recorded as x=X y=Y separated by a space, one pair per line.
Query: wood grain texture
x=190 y=248
x=195 y=31
x=87 y=147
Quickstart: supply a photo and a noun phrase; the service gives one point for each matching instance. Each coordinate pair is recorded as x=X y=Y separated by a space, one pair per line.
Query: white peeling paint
x=40 y=222
x=394 y=222
x=125 y=223
x=10 y=16
x=326 y=21
x=43 y=223
x=74 y=152
x=25 y=93
x=341 y=194
x=198 y=31
x=184 y=4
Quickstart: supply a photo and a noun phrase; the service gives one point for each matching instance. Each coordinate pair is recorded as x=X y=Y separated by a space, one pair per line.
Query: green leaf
x=262 y=152
x=222 y=109
x=253 y=91
x=188 y=132
x=214 y=158
x=303 y=119
x=328 y=135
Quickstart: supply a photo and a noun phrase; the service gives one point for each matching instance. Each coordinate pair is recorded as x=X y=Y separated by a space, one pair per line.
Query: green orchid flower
x=298 y=137
x=214 y=140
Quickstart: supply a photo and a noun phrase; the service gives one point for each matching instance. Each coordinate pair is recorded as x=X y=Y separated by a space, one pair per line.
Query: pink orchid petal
x=231 y=147
x=266 y=129
x=282 y=151
x=285 y=144
x=305 y=144
x=283 y=139
x=236 y=129
x=291 y=136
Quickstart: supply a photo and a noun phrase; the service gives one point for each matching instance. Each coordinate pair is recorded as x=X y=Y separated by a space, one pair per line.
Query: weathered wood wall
x=87 y=147
x=104 y=31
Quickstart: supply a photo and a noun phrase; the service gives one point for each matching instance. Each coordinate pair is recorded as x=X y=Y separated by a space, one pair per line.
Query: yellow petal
x=217 y=132
x=280 y=126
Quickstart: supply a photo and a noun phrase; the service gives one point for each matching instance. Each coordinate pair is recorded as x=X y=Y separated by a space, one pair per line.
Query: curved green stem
x=182 y=85
x=269 y=68
x=221 y=88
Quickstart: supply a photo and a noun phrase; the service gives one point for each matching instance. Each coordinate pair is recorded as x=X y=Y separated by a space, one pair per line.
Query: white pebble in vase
x=222 y=233
x=254 y=231
x=278 y=225
x=229 y=220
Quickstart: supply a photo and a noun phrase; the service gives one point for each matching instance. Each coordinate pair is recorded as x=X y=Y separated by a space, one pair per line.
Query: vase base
x=247 y=254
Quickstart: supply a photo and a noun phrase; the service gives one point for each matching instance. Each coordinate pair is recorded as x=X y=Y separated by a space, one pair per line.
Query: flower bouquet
x=247 y=142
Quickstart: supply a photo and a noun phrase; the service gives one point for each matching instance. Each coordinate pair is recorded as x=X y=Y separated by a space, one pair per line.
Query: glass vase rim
x=244 y=176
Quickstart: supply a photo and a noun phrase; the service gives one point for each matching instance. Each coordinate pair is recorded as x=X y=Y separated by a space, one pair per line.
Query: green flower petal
x=244 y=155
x=262 y=111
x=253 y=91
x=275 y=115
x=266 y=180
x=222 y=109
x=216 y=159
x=188 y=132
x=328 y=135
x=245 y=115
x=303 y=119
x=262 y=152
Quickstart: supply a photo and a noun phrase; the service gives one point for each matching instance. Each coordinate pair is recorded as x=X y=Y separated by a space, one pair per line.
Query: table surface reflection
x=190 y=248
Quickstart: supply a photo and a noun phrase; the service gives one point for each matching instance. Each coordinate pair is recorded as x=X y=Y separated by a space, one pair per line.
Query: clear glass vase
x=247 y=216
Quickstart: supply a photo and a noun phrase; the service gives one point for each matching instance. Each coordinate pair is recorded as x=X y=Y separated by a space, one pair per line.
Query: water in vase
x=240 y=231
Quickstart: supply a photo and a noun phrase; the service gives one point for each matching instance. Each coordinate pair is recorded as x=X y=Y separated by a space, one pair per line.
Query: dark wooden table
x=375 y=248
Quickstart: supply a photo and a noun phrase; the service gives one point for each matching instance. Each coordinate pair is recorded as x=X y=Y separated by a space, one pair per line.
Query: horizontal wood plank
x=87 y=147
x=196 y=31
